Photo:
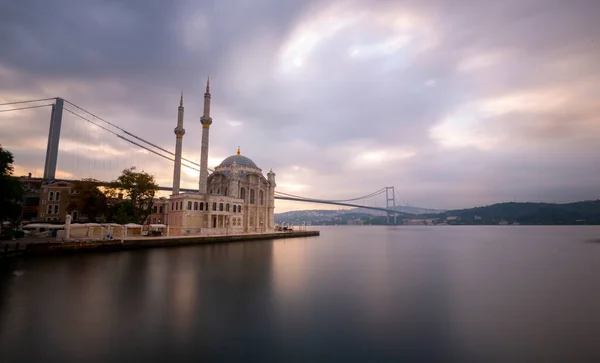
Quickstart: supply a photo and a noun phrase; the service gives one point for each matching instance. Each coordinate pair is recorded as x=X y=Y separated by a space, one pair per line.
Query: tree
x=139 y=189
x=11 y=190
x=122 y=212
x=89 y=199
x=6 y=160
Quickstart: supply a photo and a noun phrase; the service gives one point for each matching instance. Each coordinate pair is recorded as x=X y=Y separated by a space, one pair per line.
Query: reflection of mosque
x=236 y=197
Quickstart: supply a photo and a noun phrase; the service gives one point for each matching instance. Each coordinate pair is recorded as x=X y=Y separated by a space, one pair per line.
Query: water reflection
x=354 y=294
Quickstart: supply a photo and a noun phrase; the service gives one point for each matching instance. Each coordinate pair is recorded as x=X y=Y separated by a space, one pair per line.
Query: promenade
x=51 y=246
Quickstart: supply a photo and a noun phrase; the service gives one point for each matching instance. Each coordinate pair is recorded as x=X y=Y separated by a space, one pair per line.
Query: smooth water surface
x=357 y=293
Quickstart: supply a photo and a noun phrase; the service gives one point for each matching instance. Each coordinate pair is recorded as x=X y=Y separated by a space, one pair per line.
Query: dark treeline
x=586 y=212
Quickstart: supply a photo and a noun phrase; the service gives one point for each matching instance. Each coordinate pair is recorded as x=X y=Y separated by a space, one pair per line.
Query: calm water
x=470 y=294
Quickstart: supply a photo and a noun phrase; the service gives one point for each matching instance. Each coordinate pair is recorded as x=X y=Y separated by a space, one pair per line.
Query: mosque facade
x=235 y=198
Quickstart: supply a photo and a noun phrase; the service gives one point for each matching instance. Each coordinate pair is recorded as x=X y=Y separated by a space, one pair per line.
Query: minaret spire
x=179 y=132
x=206 y=121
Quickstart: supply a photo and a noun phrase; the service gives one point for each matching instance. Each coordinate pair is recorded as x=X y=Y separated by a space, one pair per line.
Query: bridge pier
x=53 y=139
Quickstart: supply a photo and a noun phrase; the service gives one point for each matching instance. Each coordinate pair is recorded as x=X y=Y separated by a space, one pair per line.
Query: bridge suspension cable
x=132 y=135
x=29 y=101
x=400 y=200
x=380 y=191
x=25 y=108
x=126 y=139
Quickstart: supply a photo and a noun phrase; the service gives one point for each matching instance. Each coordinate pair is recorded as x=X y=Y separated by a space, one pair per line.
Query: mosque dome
x=239 y=160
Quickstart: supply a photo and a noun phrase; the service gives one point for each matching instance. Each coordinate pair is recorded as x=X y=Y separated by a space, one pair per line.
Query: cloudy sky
x=456 y=103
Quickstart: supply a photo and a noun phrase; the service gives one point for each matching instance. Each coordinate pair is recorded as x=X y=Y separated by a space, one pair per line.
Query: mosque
x=235 y=198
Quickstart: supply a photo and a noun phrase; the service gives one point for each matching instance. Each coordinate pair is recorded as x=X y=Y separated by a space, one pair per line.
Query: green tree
x=89 y=199
x=139 y=189
x=11 y=190
x=122 y=212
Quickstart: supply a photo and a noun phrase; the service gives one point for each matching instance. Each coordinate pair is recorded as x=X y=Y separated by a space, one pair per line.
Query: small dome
x=239 y=160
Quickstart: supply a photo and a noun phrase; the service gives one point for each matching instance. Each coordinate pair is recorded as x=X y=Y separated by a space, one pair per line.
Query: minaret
x=179 y=132
x=271 y=200
x=206 y=121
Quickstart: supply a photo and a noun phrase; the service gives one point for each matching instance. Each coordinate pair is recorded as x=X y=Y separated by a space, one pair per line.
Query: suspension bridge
x=58 y=105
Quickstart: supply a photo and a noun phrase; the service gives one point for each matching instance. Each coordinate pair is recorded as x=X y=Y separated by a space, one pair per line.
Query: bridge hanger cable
x=340 y=200
x=17 y=102
x=380 y=191
x=130 y=134
x=25 y=108
x=343 y=204
x=399 y=198
x=126 y=139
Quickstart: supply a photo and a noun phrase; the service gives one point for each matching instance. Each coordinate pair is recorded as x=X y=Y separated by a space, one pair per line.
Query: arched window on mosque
x=201 y=205
x=239 y=209
x=251 y=196
x=243 y=194
x=219 y=191
x=215 y=206
x=261 y=197
x=225 y=192
x=234 y=208
x=220 y=207
x=181 y=205
x=51 y=196
x=227 y=207
x=195 y=205
x=189 y=205
x=172 y=206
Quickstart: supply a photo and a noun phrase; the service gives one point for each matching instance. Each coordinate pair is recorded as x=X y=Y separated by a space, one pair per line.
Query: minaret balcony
x=179 y=131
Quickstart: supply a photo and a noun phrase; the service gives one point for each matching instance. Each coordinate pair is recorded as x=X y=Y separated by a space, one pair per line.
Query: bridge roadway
x=308 y=200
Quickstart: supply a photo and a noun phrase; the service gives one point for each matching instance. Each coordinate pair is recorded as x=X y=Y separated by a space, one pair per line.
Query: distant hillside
x=586 y=212
x=367 y=216
x=306 y=216
x=416 y=210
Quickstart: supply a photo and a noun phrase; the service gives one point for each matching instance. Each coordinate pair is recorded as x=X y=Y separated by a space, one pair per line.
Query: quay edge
x=155 y=242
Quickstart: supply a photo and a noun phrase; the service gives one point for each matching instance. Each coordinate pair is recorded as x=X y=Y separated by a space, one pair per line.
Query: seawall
x=154 y=242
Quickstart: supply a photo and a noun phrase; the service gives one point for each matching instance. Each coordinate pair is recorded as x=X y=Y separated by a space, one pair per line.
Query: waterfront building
x=235 y=198
x=31 y=202
x=59 y=198
x=159 y=211
x=54 y=199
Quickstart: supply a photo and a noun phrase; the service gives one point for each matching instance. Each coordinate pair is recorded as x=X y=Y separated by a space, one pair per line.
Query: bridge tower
x=390 y=202
x=53 y=139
